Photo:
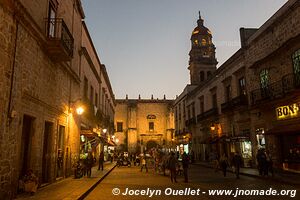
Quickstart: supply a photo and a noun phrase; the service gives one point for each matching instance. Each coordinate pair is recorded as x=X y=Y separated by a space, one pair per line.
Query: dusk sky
x=145 y=43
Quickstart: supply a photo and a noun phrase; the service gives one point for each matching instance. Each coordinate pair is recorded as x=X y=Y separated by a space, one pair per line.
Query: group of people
x=169 y=162
x=265 y=163
x=235 y=163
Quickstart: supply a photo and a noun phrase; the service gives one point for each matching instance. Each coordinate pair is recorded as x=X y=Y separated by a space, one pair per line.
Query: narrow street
x=200 y=178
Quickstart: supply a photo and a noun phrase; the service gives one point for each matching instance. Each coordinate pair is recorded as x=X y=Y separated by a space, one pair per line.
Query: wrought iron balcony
x=276 y=90
x=209 y=113
x=233 y=103
x=190 y=122
x=60 y=43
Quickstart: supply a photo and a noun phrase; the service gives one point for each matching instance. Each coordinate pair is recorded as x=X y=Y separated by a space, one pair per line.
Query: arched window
x=203 y=42
x=201 y=76
x=196 y=42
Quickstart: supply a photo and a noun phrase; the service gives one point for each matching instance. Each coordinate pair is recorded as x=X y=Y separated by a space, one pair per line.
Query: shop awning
x=284 y=129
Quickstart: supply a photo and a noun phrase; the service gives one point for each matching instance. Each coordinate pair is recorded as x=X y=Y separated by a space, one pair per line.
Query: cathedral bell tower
x=202 y=63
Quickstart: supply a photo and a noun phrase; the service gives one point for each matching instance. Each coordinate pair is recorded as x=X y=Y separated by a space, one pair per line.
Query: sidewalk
x=283 y=177
x=69 y=188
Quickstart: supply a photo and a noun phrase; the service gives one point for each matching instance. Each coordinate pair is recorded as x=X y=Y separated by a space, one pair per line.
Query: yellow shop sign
x=287 y=112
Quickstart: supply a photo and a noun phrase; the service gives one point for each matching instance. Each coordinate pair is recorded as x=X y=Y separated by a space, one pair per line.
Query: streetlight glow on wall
x=79 y=110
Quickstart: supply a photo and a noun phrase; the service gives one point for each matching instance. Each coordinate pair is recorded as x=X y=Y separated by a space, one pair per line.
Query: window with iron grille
x=264 y=78
x=296 y=64
x=242 y=86
x=228 y=93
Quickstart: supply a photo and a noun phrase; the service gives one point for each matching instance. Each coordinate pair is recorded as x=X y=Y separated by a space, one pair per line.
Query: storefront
x=286 y=135
x=243 y=145
x=89 y=142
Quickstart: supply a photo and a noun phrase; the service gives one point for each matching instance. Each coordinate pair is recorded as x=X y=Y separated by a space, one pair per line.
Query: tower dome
x=201 y=29
x=201 y=35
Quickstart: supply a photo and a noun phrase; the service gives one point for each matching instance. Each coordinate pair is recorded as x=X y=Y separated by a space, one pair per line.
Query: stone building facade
x=204 y=114
x=40 y=83
x=251 y=101
x=141 y=124
x=273 y=68
x=97 y=97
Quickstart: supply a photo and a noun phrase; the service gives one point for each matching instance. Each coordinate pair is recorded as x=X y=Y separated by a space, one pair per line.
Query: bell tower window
x=196 y=42
x=203 y=42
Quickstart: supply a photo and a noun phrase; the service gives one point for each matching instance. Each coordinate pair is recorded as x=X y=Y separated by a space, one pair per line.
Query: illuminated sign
x=287 y=112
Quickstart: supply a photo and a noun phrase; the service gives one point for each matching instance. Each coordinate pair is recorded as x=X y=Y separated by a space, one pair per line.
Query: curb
x=86 y=193
x=254 y=176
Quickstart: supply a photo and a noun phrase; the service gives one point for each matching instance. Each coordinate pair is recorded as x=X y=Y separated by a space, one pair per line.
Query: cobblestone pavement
x=201 y=178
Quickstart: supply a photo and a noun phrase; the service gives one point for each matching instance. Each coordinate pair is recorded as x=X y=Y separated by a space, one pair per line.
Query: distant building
x=141 y=124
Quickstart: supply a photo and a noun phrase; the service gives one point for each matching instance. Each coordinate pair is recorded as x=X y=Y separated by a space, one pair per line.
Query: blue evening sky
x=145 y=43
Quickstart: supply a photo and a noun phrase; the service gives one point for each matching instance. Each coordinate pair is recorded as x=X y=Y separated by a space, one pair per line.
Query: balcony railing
x=60 y=40
x=233 y=103
x=209 y=113
x=190 y=122
x=276 y=90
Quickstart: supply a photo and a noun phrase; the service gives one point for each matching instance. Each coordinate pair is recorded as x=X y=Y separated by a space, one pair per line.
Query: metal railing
x=56 y=29
x=235 y=102
x=276 y=90
x=209 y=113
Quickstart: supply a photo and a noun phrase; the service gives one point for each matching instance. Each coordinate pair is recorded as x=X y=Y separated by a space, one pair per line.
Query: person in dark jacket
x=89 y=164
x=224 y=164
x=172 y=164
x=237 y=162
x=185 y=165
x=262 y=162
x=101 y=161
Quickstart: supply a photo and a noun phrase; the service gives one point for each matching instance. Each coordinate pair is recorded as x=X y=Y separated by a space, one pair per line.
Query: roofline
x=273 y=19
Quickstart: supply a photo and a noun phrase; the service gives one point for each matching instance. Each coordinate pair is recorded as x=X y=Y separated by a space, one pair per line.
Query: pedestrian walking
x=262 y=162
x=269 y=163
x=144 y=164
x=185 y=165
x=89 y=164
x=101 y=161
x=237 y=162
x=224 y=164
x=172 y=164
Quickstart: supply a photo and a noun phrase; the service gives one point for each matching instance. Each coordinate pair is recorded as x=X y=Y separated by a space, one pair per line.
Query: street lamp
x=79 y=110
